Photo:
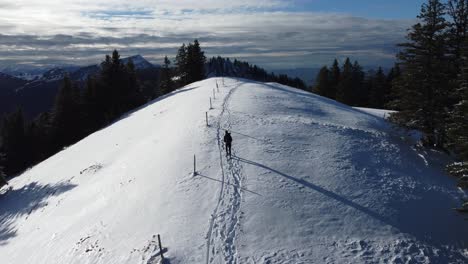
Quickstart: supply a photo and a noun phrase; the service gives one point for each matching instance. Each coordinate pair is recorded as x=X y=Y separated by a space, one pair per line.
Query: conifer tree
x=423 y=89
x=344 y=90
x=392 y=77
x=105 y=89
x=378 y=91
x=132 y=96
x=322 y=84
x=359 y=93
x=458 y=12
x=118 y=89
x=61 y=111
x=335 y=77
x=197 y=62
x=116 y=81
x=190 y=62
x=93 y=107
x=181 y=64
x=2 y=170
x=40 y=137
x=13 y=144
x=458 y=128
x=66 y=115
x=166 y=84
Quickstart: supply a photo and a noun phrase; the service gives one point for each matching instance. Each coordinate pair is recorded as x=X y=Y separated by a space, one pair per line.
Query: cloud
x=69 y=32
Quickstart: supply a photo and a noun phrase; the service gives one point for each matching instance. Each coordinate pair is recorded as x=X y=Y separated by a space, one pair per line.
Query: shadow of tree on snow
x=16 y=203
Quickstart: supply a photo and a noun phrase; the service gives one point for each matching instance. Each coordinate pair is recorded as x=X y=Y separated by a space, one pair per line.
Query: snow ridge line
x=225 y=217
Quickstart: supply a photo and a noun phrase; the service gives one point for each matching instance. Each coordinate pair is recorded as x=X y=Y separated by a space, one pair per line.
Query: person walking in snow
x=227 y=142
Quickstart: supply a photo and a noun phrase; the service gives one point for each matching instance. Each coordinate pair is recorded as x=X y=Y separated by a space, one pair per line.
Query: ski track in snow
x=224 y=222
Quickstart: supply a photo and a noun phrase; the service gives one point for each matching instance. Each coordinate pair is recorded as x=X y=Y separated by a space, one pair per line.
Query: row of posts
x=207 y=124
x=211 y=103
x=194 y=160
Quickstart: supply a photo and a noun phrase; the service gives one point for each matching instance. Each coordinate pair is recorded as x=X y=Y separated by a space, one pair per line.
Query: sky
x=275 y=34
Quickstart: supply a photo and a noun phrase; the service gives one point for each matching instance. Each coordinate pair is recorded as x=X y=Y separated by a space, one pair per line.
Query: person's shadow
x=320 y=190
x=156 y=258
x=416 y=215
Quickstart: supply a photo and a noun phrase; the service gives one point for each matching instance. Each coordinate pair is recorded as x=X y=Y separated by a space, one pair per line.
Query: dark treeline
x=349 y=84
x=218 y=66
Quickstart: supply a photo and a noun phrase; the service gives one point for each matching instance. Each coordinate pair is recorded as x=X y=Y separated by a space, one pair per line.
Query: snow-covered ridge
x=54 y=74
x=311 y=181
x=24 y=73
x=7 y=76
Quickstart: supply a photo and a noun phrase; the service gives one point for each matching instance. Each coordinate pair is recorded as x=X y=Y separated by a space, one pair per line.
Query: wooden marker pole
x=211 y=106
x=206 y=115
x=194 y=165
x=160 y=247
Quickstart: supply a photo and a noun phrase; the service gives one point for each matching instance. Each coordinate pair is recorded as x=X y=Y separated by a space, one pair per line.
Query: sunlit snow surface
x=311 y=181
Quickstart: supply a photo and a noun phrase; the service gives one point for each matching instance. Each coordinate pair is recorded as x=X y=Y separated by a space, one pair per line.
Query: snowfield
x=311 y=181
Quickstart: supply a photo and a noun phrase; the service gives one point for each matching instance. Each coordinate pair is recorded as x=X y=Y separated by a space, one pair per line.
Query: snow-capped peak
x=54 y=74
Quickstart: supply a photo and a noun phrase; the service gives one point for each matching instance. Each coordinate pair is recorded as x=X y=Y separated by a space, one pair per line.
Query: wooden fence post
x=206 y=115
x=160 y=247
x=194 y=165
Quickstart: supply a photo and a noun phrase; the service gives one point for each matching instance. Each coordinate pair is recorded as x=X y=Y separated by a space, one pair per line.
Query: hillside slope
x=311 y=181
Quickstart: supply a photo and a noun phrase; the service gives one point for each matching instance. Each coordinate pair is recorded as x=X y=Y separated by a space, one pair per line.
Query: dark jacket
x=227 y=138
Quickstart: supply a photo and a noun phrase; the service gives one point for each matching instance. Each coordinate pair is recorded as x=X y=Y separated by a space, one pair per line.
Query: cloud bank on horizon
x=273 y=34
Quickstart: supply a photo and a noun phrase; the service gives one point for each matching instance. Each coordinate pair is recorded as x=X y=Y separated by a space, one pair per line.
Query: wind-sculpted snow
x=310 y=181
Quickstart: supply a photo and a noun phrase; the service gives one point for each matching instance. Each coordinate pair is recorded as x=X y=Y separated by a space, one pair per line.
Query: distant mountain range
x=34 y=89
